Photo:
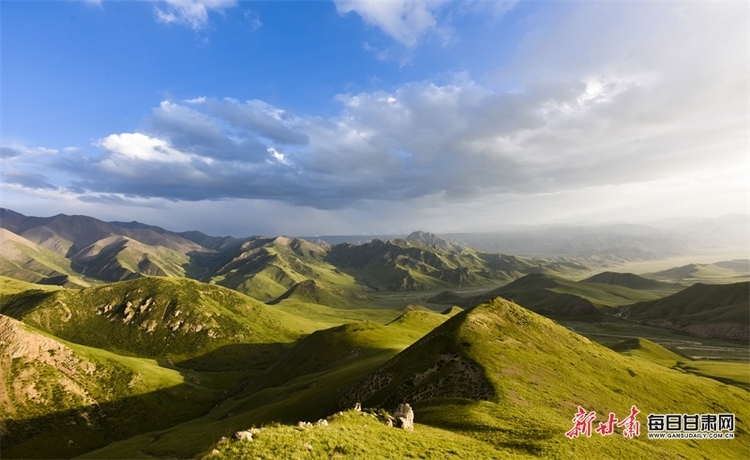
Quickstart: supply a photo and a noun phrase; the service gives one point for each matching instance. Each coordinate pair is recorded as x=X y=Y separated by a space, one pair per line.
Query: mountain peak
x=432 y=240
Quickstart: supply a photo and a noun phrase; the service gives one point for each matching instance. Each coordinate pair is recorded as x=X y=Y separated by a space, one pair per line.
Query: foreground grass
x=358 y=435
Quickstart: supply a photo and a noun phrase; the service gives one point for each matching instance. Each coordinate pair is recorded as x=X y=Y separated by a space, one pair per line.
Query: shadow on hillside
x=240 y=356
x=452 y=416
x=72 y=432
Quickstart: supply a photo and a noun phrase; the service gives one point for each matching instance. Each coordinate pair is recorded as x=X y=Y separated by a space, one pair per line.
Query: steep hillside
x=304 y=385
x=59 y=399
x=649 y=350
x=513 y=379
x=107 y=251
x=313 y=292
x=266 y=268
x=200 y=325
x=118 y=258
x=10 y=286
x=719 y=311
x=65 y=234
x=26 y=261
x=352 y=343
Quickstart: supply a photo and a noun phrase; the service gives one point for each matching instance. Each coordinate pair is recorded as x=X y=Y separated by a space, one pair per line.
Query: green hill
x=182 y=320
x=401 y=265
x=719 y=311
x=553 y=295
x=266 y=268
x=501 y=381
x=26 y=261
x=60 y=399
x=118 y=258
x=304 y=385
x=632 y=281
x=13 y=286
x=649 y=350
x=720 y=272
x=311 y=291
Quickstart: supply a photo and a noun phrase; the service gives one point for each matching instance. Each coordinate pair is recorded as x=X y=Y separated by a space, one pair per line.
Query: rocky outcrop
x=405 y=417
x=243 y=436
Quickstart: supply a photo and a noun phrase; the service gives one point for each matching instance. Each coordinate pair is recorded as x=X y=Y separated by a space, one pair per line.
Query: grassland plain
x=523 y=377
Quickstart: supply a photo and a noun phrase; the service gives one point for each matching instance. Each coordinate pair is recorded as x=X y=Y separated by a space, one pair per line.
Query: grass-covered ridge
x=719 y=310
x=61 y=399
x=735 y=373
x=178 y=319
x=554 y=295
x=538 y=373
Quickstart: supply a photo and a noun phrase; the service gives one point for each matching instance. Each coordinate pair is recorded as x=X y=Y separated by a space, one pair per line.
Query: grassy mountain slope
x=67 y=235
x=10 y=286
x=177 y=319
x=705 y=310
x=649 y=350
x=632 y=281
x=720 y=272
x=311 y=291
x=517 y=379
x=266 y=268
x=735 y=373
x=25 y=260
x=552 y=295
x=401 y=265
x=118 y=258
x=108 y=251
x=59 y=399
x=304 y=385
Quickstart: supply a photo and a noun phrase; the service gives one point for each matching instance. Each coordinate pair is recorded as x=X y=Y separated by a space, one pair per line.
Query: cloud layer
x=660 y=97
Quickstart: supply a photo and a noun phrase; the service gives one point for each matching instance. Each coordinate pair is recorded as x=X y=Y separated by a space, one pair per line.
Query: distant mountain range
x=78 y=251
x=617 y=241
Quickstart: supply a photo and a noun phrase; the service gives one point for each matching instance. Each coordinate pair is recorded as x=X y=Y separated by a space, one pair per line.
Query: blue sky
x=356 y=117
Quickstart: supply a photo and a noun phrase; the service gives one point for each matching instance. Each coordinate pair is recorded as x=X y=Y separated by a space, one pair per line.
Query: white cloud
x=193 y=13
x=141 y=147
x=405 y=20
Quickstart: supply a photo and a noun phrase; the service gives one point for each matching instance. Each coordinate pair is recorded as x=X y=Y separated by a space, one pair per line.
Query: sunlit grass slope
x=735 y=373
x=718 y=310
x=305 y=385
x=13 y=286
x=200 y=325
x=521 y=378
x=60 y=399
x=553 y=295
